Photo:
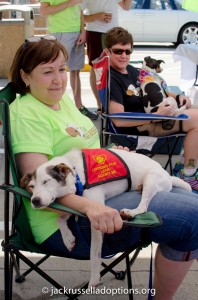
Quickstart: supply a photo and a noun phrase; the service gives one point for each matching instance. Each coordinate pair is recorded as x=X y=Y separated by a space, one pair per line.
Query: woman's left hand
x=184 y=100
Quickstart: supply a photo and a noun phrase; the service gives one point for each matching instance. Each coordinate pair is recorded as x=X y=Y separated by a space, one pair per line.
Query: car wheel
x=188 y=34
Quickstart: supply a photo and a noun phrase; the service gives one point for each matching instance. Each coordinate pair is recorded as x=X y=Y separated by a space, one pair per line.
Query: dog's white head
x=48 y=182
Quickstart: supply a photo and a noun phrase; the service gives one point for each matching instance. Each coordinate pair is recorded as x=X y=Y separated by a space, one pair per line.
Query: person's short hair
x=117 y=35
x=29 y=56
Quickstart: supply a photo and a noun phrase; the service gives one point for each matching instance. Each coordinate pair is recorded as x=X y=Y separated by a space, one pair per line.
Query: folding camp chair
x=148 y=145
x=20 y=238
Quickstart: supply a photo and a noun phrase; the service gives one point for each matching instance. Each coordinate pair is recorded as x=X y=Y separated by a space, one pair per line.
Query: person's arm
x=47 y=9
x=115 y=107
x=82 y=36
x=101 y=16
x=125 y=4
x=102 y=217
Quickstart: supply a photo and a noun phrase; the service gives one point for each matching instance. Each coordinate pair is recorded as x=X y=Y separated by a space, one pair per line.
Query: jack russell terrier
x=94 y=173
x=155 y=90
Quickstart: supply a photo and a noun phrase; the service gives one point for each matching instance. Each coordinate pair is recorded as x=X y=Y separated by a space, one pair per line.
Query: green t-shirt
x=67 y=20
x=37 y=128
x=190 y=5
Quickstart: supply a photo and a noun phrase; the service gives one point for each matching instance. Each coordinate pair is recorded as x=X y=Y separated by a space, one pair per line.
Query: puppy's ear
x=160 y=61
x=64 y=170
x=147 y=58
x=25 y=181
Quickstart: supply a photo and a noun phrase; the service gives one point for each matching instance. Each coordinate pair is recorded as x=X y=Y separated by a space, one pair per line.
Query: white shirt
x=94 y=6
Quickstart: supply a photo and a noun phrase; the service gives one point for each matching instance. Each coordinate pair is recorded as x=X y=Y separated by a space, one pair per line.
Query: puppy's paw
x=69 y=240
x=126 y=214
x=93 y=283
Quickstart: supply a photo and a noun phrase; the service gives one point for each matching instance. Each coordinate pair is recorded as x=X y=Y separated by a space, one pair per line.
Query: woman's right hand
x=104 y=218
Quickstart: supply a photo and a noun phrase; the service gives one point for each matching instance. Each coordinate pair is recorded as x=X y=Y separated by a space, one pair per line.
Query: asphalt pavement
x=72 y=272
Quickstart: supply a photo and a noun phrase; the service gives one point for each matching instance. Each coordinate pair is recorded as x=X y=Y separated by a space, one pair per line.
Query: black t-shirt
x=125 y=90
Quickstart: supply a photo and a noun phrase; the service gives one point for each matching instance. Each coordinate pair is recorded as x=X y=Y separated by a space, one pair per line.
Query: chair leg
x=119 y=275
x=15 y=260
x=129 y=278
x=8 y=276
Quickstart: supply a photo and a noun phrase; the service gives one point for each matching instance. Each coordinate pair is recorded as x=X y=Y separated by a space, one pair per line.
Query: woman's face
x=119 y=61
x=47 y=82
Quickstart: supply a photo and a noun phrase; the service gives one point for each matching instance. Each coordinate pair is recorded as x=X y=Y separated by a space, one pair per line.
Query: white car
x=160 y=21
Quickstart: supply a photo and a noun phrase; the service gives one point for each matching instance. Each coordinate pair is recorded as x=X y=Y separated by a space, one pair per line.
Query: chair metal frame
x=13 y=242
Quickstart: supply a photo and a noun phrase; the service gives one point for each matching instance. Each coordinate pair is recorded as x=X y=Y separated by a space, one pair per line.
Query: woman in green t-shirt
x=45 y=123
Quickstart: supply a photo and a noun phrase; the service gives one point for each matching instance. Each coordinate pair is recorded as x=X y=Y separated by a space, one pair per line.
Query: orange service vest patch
x=102 y=165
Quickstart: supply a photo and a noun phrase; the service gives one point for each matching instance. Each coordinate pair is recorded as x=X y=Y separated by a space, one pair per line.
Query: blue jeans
x=177 y=236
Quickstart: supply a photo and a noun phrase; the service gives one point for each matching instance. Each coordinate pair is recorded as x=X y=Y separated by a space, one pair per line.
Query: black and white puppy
x=60 y=176
x=155 y=90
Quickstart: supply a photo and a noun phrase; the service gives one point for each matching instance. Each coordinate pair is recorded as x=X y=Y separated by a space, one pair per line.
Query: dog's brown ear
x=147 y=58
x=160 y=61
x=25 y=181
x=64 y=170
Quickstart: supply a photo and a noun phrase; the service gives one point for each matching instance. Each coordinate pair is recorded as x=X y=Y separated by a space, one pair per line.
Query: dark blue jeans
x=177 y=236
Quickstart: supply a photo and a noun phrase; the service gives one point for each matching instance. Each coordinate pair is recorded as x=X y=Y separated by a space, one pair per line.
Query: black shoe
x=87 y=113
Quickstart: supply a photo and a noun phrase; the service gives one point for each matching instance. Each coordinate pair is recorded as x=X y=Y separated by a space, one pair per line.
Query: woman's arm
x=102 y=217
x=115 y=107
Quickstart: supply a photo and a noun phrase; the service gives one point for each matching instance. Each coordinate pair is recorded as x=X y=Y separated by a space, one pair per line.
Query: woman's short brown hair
x=29 y=56
x=117 y=35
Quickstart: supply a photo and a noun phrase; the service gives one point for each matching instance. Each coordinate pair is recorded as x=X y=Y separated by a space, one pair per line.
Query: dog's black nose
x=36 y=201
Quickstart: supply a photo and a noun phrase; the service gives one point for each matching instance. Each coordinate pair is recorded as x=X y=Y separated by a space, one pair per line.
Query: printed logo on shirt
x=74 y=131
x=132 y=90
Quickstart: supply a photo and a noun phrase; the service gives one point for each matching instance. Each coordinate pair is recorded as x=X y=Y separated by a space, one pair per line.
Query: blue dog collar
x=78 y=184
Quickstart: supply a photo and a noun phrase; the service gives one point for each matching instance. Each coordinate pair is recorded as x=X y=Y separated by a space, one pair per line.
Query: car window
x=137 y=4
x=156 y=4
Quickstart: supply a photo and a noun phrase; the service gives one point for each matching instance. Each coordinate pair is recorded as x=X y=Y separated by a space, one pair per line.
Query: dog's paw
x=126 y=214
x=71 y=243
x=69 y=240
x=93 y=283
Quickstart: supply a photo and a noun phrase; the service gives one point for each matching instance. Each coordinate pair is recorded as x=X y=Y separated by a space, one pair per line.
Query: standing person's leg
x=75 y=63
x=94 y=50
x=76 y=87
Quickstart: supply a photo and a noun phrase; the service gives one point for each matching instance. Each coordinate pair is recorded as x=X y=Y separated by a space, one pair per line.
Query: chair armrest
x=147 y=219
x=144 y=116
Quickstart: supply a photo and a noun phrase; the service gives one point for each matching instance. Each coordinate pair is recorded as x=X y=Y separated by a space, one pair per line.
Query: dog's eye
x=31 y=186
x=45 y=181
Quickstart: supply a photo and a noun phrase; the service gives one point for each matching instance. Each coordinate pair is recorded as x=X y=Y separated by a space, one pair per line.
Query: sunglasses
x=121 y=51
x=35 y=39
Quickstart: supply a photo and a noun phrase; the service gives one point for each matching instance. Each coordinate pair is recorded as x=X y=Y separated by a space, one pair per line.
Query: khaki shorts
x=76 y=53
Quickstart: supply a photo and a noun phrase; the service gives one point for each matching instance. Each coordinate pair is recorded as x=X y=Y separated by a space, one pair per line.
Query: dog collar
x=78 y=184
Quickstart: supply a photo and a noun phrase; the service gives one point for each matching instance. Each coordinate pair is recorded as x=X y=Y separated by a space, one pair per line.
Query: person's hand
x=184 y=100
x=166 y=110
x=104 y=17
x=121 y=147
x=81 y=39
x=104 y=218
